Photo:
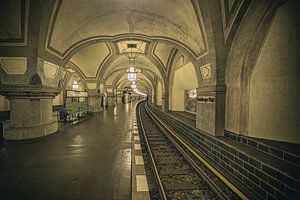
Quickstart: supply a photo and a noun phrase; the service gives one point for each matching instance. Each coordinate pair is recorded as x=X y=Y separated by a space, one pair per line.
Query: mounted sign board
x=205 y=71
x=72 y=93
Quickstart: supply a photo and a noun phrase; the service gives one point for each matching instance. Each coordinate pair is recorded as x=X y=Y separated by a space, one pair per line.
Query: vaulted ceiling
x=74 y=21
x=87 y=35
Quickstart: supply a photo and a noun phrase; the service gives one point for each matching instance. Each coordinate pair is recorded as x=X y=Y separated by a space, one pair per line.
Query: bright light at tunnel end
x=139 y=92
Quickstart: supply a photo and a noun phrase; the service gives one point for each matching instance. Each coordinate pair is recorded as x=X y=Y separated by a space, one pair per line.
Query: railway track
x=177 y=174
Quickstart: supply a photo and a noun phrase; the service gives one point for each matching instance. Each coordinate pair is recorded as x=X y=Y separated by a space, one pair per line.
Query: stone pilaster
x=30 y=111
x=210 y=115
x=154 y=99
x=94 y=101
x=165 y=102
x=150 y=98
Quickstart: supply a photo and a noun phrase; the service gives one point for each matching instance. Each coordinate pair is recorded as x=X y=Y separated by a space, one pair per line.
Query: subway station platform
x=88 y=160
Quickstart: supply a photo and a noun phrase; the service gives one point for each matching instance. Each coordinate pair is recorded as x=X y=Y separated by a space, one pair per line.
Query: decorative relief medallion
x=206 y=99
x=205 y=71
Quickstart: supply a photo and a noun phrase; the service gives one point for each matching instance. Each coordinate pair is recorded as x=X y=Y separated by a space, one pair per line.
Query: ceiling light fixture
x=75 y=85
x=133 y=85
x=131 y=74
x=132 y=48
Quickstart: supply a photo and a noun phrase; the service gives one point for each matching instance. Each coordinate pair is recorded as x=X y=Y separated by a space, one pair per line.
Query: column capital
x=211 y=89
x=28 y=91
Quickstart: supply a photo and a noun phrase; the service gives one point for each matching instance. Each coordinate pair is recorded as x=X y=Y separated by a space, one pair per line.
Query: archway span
x=111 y=41
x=124 y=77
x=141 y=84
x=119 y=61
x=73 y=49
x=183 y=78
x=121 y=71
x=74 y=70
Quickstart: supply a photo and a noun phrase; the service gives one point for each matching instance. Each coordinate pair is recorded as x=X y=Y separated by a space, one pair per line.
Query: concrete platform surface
x=89 y=160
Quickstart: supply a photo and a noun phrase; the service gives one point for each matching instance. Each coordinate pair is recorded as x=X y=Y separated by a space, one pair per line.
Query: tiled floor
x=90 y=160
x=140 y=190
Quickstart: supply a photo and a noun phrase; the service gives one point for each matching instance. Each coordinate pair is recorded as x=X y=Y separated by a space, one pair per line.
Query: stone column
x=149 y=98
x=125 y=97
x=94 y=101
x=154 y=99
x=210 y=116
x=110 y=98
x=165 y=102
x=30 y=111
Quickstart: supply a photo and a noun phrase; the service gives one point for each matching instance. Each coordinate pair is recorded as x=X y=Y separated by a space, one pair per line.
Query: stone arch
x=113 y=58
x=241 y=62
x=182 y=77
x=210 y=13
x=60 y=84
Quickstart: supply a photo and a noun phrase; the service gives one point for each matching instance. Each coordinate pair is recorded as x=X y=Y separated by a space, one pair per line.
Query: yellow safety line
x=220 y=176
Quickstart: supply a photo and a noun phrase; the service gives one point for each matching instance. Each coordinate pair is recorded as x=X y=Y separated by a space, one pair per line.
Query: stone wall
x=158 y=94
x=253 y=172
x=275 y=84
x=4 y=104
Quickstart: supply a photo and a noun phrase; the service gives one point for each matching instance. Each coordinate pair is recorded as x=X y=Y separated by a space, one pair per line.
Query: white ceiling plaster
x=111 y=78
x=89 y=58
x=162 y=51
x=80 y=19
x=141 y=62
x=139 y=77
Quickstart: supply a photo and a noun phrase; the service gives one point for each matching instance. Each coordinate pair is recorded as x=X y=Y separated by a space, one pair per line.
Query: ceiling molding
x=233 y=16
x=98 y=68
x=170 y=62
x=123 y=77
x=13 y=65
x=157 y=57
x=76 y=69
x=20 y=39
x=144 y=71
x=198 y=13
x=113 y=58
x=53 y=18
x=190 y=33
x=124 y=83
x=95 y=39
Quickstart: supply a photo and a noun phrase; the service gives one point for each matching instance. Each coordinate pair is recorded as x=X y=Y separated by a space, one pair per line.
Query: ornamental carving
x=35 y=80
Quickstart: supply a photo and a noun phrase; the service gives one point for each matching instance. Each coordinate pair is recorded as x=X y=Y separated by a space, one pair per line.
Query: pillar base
x=95 y=110
x=28 y=132
x=210 y=114
x=94 y=101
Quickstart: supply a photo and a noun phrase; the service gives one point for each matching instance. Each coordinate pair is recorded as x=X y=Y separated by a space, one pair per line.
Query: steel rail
x=202 y=160
x=161 y=188
x=199 y=171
